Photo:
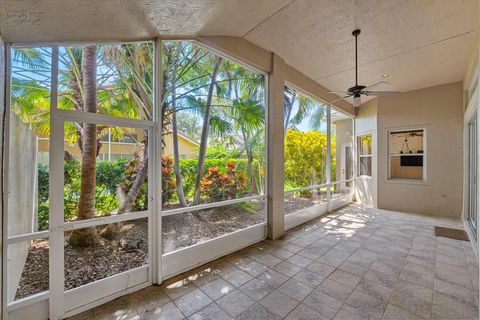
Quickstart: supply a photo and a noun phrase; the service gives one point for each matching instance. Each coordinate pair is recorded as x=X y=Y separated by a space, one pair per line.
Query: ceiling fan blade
x=380 y=93
x=343 y=92
x=378 y=84
x=329 y=103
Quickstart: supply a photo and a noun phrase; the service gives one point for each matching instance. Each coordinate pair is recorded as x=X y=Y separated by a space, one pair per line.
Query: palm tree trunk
x=204 y=138
x=86 y=205
x=176 y=157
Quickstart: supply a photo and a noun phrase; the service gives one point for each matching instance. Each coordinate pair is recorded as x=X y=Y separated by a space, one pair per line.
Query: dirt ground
x=130 y=250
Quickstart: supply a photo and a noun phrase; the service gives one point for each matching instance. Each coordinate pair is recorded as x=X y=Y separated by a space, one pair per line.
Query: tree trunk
x=204 y=138
x=176 y=157
x=128 y=201
x=86 y=205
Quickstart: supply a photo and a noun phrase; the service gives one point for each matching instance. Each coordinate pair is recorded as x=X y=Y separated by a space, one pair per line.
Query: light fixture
x=386 y=75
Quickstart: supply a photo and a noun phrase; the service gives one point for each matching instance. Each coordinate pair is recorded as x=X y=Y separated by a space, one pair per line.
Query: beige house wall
x=438 y=110
x=187 y=148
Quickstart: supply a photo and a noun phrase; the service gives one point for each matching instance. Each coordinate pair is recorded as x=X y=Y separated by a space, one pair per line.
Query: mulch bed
x=85 y=265
x=293 y=204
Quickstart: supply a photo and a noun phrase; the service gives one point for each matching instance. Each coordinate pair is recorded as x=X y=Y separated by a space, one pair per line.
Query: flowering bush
x=217 y=185
x=168 y=179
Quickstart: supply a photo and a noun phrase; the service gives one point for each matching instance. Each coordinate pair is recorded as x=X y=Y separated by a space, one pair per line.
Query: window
x=365 y=155
x=407 y=154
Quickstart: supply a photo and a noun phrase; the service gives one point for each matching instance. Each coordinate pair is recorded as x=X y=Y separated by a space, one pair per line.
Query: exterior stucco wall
x=22 y=184
x=439 y=110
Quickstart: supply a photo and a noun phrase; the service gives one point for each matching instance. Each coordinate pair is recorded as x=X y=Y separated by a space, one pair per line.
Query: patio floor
x=353 y=263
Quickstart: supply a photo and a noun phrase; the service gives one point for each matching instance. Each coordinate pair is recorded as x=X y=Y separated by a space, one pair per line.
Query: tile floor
x=353 y=263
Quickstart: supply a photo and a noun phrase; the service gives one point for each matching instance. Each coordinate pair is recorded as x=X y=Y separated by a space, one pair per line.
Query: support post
x=328 y=174
x=275 y=163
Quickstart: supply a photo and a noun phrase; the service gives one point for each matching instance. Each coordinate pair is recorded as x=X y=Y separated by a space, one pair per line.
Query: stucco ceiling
x=419 y=43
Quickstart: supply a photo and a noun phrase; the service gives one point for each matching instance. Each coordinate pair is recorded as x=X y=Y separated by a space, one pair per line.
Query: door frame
x=471 y=110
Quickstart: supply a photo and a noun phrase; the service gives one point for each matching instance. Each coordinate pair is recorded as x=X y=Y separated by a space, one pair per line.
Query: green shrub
x=219 y=186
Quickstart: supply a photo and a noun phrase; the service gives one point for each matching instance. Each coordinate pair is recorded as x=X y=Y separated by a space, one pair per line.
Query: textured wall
x=22 y=182
x=439 y=110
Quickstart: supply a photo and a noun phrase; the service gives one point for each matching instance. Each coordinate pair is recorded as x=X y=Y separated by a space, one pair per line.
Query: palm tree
x=86 y=206
x=205 y=126
x=306 y=107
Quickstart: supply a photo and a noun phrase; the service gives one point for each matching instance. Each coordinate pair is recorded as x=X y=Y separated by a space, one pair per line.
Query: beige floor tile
x=287 y=268
x=309 y=278
x=345 y=278
x=394 y=313
x=254 y=268
x=269 y=260
x=273 y=278
x=458 y=300
x=256 y=289
x=322 y=303
x=335 y=290
x=366 y=304
x=258 y=312
x=168 y=311
x=385 y=279
x=237 y=277
x=320 y=269
x=217 y=288
x=424 y=280
x=295 y=289
x=211 y=312
x=192 y=302
x=374 y=290
x=235 y=302
x=279 y=303
x=352 y=268
x=406 y=301
x=302 y=312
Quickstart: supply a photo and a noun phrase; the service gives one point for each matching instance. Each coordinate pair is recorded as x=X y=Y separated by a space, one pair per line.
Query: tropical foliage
x=211 y=99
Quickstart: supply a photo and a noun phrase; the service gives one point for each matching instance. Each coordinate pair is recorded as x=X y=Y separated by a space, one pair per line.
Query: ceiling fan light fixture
x=357 y=100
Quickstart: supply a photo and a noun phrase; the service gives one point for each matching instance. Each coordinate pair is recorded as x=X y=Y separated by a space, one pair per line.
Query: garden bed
x=294 y=204
x=85 y=265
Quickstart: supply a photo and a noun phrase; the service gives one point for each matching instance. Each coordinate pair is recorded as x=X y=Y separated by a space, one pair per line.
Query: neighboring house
x=112 y=150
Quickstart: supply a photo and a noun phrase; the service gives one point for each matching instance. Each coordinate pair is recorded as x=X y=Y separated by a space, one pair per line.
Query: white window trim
x=358 y=137
x=424 y=154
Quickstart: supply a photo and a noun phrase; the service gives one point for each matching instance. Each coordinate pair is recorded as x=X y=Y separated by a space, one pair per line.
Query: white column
x=275 y=141
x=329 y=155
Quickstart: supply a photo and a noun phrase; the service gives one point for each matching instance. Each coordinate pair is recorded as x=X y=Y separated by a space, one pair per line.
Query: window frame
x=359 y=146
x=424 y=155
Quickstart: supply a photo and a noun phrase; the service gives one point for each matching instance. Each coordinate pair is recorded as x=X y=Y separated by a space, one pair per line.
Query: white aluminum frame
x=424 y=154
x=57 y=226
x=38 y=304
x=360 y=156
x=332 y=203
x=230 y=242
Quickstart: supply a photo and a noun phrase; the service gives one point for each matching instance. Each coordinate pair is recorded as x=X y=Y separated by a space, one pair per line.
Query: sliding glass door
x=472 y=172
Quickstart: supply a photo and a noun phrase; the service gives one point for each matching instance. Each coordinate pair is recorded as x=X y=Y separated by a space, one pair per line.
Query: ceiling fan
x=358 y=90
